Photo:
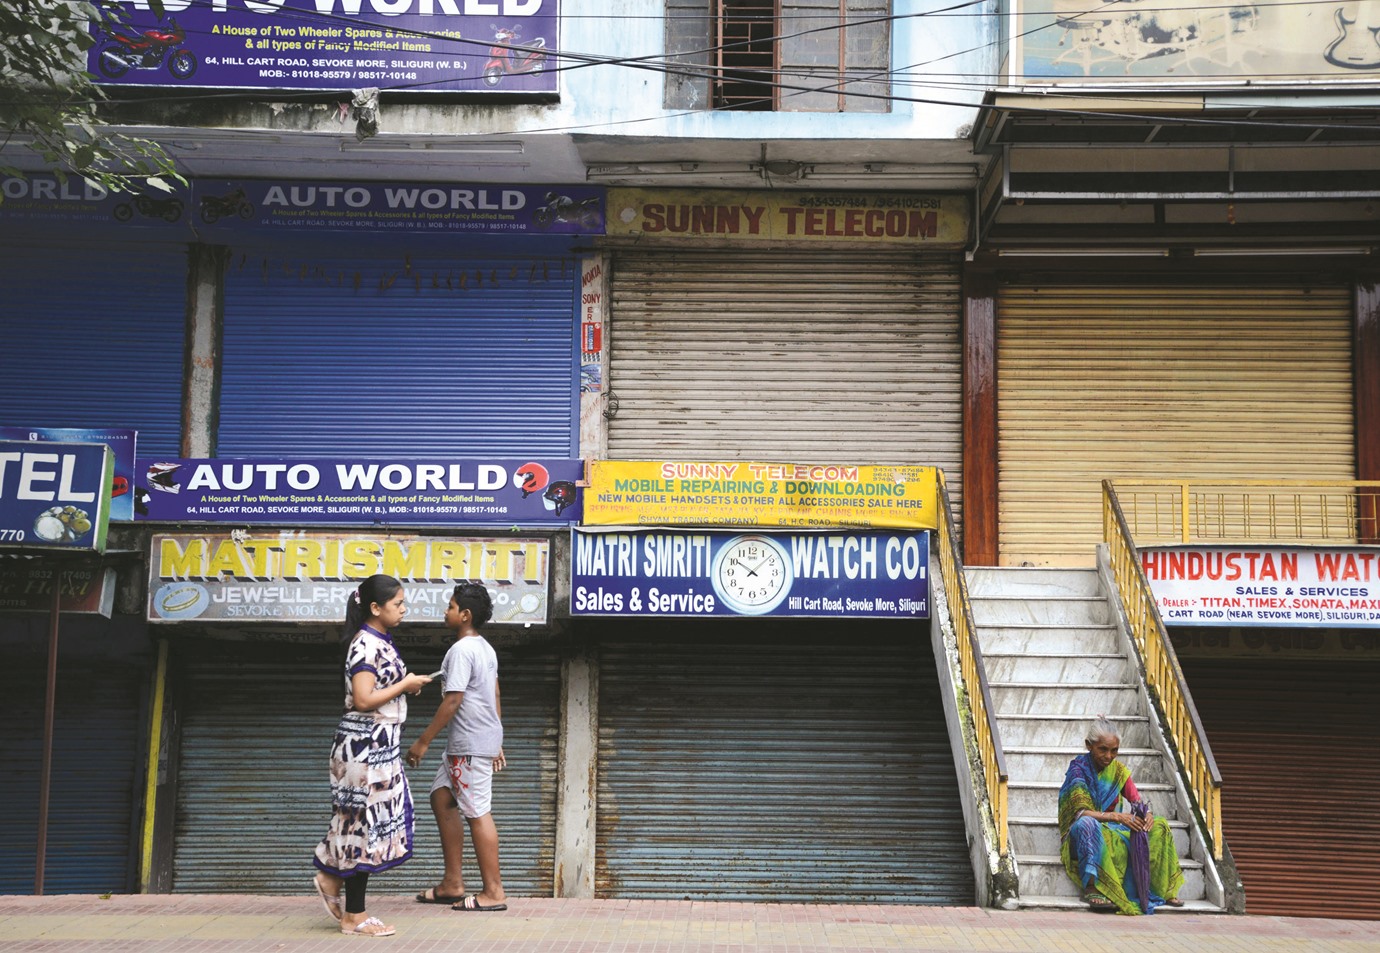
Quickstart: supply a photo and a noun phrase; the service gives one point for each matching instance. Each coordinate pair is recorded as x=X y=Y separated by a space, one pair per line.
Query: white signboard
x=1306 y=586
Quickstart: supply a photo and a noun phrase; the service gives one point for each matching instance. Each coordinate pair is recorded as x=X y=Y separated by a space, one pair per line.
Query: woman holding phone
x=371 y=804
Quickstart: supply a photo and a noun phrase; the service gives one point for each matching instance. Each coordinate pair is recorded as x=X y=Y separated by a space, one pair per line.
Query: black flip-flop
x=469 y=903
x=1098 y=903
x=429 y=895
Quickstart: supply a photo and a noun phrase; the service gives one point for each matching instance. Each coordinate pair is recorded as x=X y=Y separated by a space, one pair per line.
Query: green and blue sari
x=1096 y=854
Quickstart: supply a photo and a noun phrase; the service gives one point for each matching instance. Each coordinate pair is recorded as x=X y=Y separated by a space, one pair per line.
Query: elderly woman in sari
x=1096 y=839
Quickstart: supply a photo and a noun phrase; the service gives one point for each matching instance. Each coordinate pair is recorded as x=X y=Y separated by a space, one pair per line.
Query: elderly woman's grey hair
x=1099 y=729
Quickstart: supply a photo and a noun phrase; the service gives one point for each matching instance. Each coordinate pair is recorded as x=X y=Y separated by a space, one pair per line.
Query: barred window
x=782 y=55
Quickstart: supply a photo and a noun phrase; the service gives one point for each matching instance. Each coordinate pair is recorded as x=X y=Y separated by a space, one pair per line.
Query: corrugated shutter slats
x=776 y=768
x=397 y=355
x=1295 y=742
x=1161 y=382
x=96 y=762
x=254 y=783
x=804 y=356
x=93 y=337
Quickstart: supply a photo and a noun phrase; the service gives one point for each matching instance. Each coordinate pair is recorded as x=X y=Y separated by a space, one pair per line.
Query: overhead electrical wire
x=903 y=76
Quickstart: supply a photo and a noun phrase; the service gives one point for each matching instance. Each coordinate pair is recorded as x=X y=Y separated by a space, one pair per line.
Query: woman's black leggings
x=354 y=892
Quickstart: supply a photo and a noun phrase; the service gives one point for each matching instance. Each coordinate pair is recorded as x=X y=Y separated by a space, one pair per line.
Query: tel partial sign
x=55 y=495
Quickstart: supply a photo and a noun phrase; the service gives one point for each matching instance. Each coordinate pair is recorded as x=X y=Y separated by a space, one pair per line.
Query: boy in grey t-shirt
x=471 y=713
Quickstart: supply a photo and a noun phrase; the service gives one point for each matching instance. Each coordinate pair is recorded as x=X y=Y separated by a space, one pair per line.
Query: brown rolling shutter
x=1296 y=743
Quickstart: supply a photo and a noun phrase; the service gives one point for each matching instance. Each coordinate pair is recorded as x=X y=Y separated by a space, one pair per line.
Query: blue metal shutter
x=752 y=762
x=399 y=355
x=253 y=786
x=96 y=756
x=93 y=337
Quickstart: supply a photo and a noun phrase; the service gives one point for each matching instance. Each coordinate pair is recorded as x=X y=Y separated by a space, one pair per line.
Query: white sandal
x=370 y=926
x=332 y=904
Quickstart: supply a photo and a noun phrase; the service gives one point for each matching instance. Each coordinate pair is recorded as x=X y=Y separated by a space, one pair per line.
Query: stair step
x=983 y=580
x=1073 y=904
x=1032 y=763
x=1064 y=698
x=1069 y=753
x=1040 y=835
x=1043 y=875
x=1041 y=798
x=1067 y=636
x=1061 y=667
x=1075 y=639
x=1067 y=730
x=1024 y=610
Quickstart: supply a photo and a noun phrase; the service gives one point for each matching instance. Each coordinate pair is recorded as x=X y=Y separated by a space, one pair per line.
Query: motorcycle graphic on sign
x=146 y=48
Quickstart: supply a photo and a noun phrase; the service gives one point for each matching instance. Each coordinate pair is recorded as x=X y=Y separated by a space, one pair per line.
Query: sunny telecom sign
x=633 y=492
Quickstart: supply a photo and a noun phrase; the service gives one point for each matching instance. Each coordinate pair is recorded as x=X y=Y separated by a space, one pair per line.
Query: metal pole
x=46 y=775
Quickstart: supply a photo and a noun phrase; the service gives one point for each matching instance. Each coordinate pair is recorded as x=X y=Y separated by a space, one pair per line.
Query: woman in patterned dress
x=371 y=805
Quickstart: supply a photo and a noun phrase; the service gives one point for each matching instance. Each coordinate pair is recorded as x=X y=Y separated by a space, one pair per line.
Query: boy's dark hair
x=476 y=598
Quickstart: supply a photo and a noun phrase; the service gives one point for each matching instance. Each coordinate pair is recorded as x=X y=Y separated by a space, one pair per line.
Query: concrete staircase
x=1054 y=660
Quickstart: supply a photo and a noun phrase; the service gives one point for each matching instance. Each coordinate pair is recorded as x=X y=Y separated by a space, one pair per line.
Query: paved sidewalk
x=247 y=924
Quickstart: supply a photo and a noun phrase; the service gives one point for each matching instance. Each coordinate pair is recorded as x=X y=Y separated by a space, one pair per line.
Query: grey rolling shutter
x=754 y=763
x=800 y=356
x=254 y=786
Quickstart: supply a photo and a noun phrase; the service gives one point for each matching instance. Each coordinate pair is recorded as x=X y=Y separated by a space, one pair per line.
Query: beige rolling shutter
x=799 y=355
x=1161 y=382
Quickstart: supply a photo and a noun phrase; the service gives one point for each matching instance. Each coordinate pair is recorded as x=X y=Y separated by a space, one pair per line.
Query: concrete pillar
x=579 y=758
x=594 y=357
x=206 y=266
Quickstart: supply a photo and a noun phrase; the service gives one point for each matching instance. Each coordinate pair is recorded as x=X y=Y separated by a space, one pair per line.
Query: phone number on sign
x=336 y=74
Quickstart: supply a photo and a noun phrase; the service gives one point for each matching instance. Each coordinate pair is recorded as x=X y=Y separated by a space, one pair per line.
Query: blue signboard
x=412 y=46
x=54 y=495
x=355 y=491
x=120 y=441
x=431 y=208
x=211 y=207
x=844 y=574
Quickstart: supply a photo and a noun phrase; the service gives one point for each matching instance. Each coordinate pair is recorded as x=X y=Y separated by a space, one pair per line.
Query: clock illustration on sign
x=751 y=574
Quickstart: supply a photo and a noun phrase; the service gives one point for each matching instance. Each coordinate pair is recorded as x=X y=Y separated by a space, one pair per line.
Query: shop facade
x=79 y=672
x=437 y=363
x=770 y=724
x=791 y=325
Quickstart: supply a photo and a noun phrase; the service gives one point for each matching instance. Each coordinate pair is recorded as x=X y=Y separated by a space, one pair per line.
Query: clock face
x=752 y=574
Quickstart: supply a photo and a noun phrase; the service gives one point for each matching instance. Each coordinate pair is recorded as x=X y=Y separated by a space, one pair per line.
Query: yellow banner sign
x=855 y=217
x=295 y=576
x=641 y=493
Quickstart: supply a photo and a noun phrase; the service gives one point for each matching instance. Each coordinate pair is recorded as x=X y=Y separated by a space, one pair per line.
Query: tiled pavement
x=247 y=924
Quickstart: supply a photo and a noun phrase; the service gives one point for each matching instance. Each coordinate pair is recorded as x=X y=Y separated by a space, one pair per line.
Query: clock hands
x=752 y=570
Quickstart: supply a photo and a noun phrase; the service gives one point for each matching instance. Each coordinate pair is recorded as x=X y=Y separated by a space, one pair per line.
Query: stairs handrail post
x=1165 y=677
x=973 y=671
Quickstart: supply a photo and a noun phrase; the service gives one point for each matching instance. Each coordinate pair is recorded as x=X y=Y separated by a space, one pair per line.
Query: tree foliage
x=49 y=103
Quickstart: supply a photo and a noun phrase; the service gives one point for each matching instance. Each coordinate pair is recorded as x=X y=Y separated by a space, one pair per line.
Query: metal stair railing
x=1282 y=512
x=1163 y=675
x=970 y=665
